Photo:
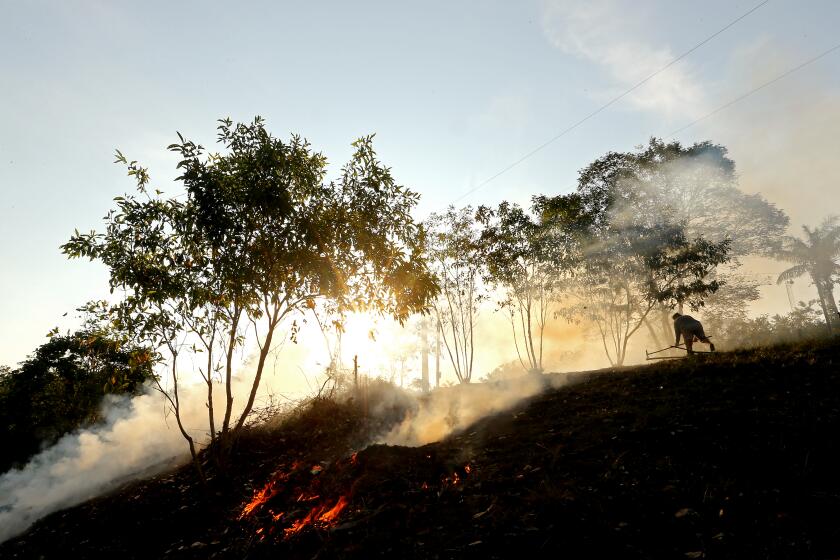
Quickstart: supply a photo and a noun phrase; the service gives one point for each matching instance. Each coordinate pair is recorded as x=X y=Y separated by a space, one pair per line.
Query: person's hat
x=675 y=315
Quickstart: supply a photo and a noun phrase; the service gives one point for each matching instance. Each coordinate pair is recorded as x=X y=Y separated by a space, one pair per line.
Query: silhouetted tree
x=259 y=239
x=816 y=255
x=455 y=257
x=527 y=258
x=60 y=387
x=627 y=274
x=694 y=187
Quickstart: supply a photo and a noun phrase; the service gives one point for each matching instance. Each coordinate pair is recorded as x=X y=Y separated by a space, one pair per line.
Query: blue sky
x=455 y=91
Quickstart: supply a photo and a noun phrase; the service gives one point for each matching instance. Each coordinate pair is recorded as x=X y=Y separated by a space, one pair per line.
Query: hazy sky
x=455 y=91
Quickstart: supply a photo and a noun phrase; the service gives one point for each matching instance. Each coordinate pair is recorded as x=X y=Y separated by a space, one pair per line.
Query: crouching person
x=689 y=328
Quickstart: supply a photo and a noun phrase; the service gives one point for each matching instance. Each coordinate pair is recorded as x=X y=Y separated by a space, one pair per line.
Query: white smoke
x=138 y=437
x=133 y=439
x=451 y=409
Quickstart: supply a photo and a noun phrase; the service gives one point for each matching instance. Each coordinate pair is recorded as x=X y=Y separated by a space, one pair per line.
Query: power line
x=610 y=102
x=759 y=88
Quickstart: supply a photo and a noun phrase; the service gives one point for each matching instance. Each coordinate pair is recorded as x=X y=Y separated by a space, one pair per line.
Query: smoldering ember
x=471 y=280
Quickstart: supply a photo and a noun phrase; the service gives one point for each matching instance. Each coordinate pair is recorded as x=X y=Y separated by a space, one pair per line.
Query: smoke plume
x=138 y=437
x=451 y=409
x=133 y=440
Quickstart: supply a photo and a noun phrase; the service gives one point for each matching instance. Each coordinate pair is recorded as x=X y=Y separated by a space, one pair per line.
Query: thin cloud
x=593 y=31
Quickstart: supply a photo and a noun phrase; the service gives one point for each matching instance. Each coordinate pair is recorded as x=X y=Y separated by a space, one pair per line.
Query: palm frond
x=830 y=223
x=791 y=273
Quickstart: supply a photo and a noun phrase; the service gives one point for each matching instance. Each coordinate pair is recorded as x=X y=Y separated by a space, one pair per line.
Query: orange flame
x=301 y=523
x=318 y=514
x=269 y=491
x=304 y=497
x=467 y=469
x=332 y=514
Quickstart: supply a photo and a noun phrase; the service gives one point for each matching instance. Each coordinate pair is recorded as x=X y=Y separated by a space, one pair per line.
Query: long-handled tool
x=650 y=355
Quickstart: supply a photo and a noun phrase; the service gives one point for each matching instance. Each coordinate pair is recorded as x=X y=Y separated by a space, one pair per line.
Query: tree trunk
x=437 y=356
x=424 y=358
x=824 y=304
x=666 y=324
x=831 y=303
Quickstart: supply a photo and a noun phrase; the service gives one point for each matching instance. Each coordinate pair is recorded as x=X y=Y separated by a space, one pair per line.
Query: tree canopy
x=259 y=238
x=695 y=186
x=816 y=255
x=456 y=257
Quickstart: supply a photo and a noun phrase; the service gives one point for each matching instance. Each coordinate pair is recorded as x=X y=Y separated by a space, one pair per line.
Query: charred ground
x=731 y=455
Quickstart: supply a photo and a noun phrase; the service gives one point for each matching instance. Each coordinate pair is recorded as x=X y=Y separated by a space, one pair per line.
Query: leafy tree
x=627 y=263
x=259 y=239
x=455 y=257
x=694 y=187
x=815 y=255
x=59 y=388
x=631 y=271
x=528 y=259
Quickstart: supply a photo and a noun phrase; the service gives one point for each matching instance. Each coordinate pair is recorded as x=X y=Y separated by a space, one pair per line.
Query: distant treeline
x=261 y=238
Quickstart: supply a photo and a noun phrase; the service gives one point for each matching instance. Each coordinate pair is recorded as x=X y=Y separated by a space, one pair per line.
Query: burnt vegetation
x=723 y=456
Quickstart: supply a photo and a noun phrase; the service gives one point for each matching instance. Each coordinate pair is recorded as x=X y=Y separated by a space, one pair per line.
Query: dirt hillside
x=733 y=455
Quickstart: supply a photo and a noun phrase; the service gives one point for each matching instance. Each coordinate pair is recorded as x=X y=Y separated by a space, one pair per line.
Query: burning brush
x=285 y=487
x=316 y=497
x=319 y=516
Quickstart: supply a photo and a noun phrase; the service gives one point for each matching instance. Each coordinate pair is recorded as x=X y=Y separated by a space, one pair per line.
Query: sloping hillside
x=725 y=456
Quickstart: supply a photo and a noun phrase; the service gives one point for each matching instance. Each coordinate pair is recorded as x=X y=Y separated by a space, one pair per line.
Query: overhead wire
x=757 y=89
x=609 y=103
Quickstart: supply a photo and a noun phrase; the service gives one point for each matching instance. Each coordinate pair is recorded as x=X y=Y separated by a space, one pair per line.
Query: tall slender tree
x=816 y=255
x=455 y=257
x=528 y=258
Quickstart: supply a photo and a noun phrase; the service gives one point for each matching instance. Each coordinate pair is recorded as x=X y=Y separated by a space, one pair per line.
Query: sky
x=454 y=91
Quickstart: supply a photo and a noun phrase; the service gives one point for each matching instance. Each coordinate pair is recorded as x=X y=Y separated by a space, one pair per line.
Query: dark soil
x=732 y=455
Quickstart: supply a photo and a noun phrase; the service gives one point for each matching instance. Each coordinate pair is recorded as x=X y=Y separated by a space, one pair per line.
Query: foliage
x=725 y=306
x=633 y=271
x=60 y=388
x=802 y=323
x=456 y=258
x=656 y=224
x=816 y=256
x=528 y=258
x=259 y=239
x=695 y=186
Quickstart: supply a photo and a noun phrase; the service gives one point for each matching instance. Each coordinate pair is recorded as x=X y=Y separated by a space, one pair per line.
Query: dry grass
x=730 y=455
